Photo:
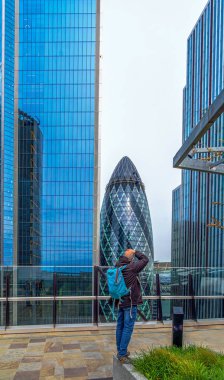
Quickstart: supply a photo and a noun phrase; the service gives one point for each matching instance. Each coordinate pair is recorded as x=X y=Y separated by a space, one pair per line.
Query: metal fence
x=58 y=296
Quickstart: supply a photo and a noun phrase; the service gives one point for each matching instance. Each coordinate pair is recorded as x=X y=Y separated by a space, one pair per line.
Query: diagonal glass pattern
x=125 y=223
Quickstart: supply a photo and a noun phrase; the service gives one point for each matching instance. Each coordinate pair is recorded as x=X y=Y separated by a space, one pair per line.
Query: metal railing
x=28 y=293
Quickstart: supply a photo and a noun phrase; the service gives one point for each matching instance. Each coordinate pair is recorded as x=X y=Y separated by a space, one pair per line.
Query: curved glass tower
x=126 y=223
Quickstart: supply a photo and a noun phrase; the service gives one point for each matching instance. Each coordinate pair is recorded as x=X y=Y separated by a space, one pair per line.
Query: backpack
x=116 y=284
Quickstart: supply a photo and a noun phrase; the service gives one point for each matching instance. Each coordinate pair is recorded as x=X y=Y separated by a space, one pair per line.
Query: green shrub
x=188 y=363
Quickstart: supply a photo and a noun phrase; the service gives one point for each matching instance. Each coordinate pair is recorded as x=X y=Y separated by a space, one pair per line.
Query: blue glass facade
x=176 y=227
x=30 y=164
x=7 y=130
x=201 y=245
x=50 y=68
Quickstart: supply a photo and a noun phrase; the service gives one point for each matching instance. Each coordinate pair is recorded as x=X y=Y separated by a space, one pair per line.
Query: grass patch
x=188 y=363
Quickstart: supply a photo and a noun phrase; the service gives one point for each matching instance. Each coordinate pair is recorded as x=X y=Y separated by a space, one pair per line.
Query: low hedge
x=188 y=363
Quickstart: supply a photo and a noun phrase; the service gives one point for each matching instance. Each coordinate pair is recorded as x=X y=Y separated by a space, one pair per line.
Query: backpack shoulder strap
x=119 y=269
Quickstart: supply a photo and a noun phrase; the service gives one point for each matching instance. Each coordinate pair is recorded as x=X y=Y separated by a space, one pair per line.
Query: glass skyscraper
x=30 y=149
x=200 y=198
x=176 y=230
x=49 y=170
x=125 y=222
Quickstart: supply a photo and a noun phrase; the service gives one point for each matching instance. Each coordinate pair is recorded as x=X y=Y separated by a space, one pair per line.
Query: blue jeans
x=125 y=327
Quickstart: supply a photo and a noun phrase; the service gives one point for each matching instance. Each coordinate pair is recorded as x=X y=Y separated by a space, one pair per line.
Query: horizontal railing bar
x=57 y=298
x=77 y=298
x=182 y=297
x=45 y=266
x=52 y=298
x=104 y=298
x=60 y=268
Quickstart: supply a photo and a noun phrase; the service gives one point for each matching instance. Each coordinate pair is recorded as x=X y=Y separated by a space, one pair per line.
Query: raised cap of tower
x=125 y=171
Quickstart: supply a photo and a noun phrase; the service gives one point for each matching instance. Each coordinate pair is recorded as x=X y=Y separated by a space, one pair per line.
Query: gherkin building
x=125 y=222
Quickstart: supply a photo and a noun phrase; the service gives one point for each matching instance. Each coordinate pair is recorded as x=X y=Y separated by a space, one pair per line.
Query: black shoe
x=127 y=355
x=124 y=360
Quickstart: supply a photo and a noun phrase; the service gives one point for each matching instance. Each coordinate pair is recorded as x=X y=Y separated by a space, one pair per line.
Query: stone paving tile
x=71 y=346
x=52 y=361
x=37 y=340
x=58 y=377
x=77 y=362
x=75 y=372
x=53 y=347
x=33 y=366
x=18 y=345
x=36 y=347
x=12 y=356
x=4 y=346
x=96 y=375
x=8 y=365
x=74 y=353
x=7 y=375
x=92 y=355
x=99 y=378
x=93 y=365
x=71 y=340
x=18 y=340
x=34 y=353
x=76 y=378
x=47 y=371
x=84 y=355
x=90 y=347
x=59 y=370
x=74 y=363
x=27 y=375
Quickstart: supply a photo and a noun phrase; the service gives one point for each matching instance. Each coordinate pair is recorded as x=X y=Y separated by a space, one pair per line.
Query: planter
x=195 y=362
x=125 y=371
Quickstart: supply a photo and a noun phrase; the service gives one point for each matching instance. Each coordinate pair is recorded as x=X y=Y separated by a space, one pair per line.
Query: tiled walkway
x=83 y=354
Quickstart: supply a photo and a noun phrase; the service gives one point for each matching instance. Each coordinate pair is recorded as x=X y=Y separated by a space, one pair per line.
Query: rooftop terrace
x=86 y=353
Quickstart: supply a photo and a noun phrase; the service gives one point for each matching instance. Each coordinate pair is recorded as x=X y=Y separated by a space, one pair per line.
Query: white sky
x=144 y=44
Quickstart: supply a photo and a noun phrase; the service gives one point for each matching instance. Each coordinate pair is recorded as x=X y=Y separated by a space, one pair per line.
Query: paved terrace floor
x=87 y=354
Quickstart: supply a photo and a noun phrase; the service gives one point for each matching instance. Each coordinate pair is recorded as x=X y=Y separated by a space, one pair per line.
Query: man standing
x=127 y=309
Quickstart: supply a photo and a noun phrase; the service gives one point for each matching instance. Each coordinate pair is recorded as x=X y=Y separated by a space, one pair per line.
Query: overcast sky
x=144 y=44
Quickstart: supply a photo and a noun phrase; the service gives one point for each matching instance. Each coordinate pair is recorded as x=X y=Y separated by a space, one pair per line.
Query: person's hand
x=129 y=253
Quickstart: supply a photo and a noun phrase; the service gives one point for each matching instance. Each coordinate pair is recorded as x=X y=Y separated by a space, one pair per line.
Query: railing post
x=223 y=308
x=7 y=288
x=96 y=294
x=54 y=301
x=177 y=326
x=159 y=302
x=193 y=314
